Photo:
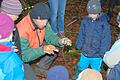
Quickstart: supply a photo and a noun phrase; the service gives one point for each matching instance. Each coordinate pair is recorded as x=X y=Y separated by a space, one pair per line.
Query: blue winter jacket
x=10 y=64
x=114 y=73
x=94 y=37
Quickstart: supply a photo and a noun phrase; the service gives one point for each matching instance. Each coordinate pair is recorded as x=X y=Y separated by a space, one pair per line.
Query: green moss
x=74 y=52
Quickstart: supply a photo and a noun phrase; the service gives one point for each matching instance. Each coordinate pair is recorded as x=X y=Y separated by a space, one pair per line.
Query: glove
x=65 y=41
x=49 y=49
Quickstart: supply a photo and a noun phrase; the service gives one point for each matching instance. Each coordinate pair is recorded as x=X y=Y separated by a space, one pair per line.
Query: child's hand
x=15 y=49
x=65 y=41
x=49 y=49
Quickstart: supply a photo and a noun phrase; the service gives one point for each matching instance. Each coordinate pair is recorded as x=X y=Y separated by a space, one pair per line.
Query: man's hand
x=49 y=49
x=65 y=41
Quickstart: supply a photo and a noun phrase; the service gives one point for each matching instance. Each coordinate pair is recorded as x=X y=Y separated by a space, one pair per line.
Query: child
x=90 y=74
x=114 y=73
x=10 y=64
x=114 y=51
x=94 y=38
x=13 y=9
x=58 y=73
x=112 y=59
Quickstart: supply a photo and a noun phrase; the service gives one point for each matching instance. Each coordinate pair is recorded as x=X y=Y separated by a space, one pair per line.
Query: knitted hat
x=6 y=26
x=93 y=7
x=11 y=6
x=58 y=73
x=89 y=74
x=40 y=10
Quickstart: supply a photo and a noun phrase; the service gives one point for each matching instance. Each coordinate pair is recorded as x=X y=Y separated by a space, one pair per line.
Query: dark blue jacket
x=114 y=73
x=94 y=37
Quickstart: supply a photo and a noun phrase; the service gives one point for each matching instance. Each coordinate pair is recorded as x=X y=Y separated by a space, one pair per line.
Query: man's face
x=94 y=16
x=41 y=23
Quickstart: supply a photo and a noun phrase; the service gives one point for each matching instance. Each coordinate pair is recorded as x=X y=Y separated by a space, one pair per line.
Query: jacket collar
x=33 y=25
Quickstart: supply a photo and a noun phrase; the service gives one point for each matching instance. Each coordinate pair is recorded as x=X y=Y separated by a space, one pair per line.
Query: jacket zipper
x=38 y=37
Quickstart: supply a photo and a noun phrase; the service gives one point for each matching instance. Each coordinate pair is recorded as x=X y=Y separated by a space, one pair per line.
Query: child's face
x=40 y=23
x=14 y=17
x=94 y=16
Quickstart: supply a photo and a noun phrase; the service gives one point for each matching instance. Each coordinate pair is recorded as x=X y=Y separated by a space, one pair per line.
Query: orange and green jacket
x=32 y=39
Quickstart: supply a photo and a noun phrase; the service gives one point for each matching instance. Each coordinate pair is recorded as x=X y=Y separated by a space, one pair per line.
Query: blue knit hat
x=40 y=10
x=58 y=73
x=94 y=7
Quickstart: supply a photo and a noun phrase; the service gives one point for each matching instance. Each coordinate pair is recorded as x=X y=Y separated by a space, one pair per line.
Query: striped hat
x=11 y=6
